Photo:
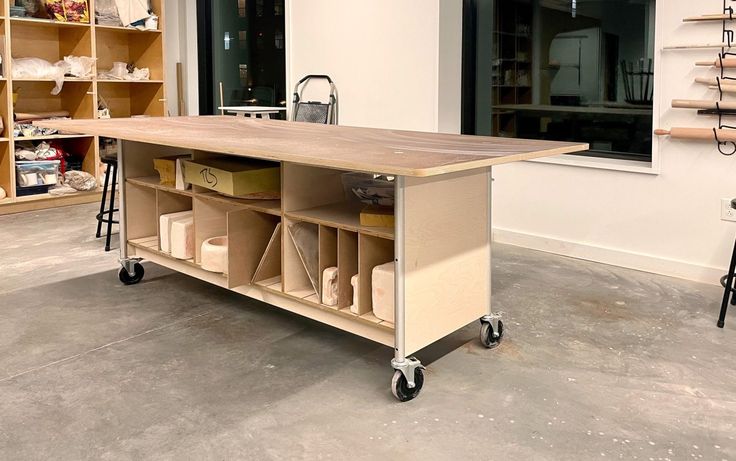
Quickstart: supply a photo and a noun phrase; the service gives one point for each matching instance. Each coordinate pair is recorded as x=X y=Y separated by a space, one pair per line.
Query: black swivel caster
x=400 y=387
x=128 y=279
x=488 y=336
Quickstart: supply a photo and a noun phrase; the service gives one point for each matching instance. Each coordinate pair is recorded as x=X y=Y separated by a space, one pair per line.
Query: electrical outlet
x=727 y=213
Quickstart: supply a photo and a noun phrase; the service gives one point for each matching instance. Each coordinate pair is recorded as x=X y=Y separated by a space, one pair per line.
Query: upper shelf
x=391 y=152
x=131 y=30
x=46 y=22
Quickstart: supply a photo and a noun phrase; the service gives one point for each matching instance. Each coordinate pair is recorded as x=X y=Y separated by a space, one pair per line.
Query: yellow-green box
x=244 y=178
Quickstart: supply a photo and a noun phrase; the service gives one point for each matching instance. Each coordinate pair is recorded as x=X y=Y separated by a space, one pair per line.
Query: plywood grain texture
x=394 y=152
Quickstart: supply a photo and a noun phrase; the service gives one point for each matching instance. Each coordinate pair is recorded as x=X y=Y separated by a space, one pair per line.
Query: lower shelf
x=270 y=292
x=151 y=244
x=43 y=201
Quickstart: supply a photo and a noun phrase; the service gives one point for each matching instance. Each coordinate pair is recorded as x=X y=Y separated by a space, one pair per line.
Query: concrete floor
x=598 y=363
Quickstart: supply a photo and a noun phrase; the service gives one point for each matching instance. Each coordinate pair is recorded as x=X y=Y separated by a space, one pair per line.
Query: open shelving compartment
x=49 y=40
x=25 y=37
x=341 y=241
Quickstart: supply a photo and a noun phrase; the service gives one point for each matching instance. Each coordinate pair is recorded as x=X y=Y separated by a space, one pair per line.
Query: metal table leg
x=491 y=326
x=132 y=271
x=408 y=377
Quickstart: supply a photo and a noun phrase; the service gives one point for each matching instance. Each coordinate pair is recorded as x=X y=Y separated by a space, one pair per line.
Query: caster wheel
x=400 y=388
x=490 y=338
x=127 y=279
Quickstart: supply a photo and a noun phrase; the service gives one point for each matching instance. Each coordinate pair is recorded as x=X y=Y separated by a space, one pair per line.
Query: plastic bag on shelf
x=37 y=68
x=106 y=12
x=62 y=189
x=76 y=10
x=80 y=180
x=55 y=9
x=80 y=66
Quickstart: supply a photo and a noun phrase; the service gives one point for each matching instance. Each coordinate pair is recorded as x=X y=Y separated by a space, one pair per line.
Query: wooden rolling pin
x=727 y=63
x=24 y=116
x=707 y=17
x=696 y=46
x=697 y=133
x=701 y=104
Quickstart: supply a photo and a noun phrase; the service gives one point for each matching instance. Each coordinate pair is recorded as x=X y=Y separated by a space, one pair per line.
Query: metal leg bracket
x=129 y=265
x=407 y=367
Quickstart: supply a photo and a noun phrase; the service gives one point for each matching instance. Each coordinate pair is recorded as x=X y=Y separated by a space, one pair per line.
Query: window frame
x=469 y=103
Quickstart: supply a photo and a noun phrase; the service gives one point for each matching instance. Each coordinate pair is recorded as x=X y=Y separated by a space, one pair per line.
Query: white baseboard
x=612 y=256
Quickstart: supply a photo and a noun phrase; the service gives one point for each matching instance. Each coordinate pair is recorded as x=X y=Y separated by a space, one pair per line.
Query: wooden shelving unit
x=52 y=40
x=512 y=63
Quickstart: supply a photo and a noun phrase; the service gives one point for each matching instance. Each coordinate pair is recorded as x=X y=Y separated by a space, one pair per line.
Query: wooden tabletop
x=393 y=152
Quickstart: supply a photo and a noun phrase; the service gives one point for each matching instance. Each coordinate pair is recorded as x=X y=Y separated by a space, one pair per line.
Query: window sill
x=630 y=166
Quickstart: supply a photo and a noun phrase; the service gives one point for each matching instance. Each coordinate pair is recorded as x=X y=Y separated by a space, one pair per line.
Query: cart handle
x=307 y=77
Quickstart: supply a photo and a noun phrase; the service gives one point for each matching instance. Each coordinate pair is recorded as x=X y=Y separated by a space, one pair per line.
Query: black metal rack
x=727 y=37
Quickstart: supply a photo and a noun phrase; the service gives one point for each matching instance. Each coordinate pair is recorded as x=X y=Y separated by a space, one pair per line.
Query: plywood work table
x=441 y=243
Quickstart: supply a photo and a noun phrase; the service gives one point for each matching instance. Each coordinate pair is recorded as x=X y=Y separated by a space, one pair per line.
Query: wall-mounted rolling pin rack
x=724 y=135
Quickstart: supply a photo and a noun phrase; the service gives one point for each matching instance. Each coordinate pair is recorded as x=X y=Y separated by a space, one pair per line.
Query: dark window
x=561 y=70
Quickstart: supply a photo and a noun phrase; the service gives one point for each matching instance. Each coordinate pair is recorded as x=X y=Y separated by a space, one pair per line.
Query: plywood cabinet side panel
x=347 y=266
x=327 y=252
x=447 y=255
x=248 y=235
x=306 y=186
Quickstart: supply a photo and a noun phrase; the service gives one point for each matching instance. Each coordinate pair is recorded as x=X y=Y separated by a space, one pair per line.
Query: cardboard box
x=243 y=178
x=166 y=167
x=377 y=216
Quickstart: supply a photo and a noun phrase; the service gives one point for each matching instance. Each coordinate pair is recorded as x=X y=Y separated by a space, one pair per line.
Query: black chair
x=106 y=213
x=727 y=282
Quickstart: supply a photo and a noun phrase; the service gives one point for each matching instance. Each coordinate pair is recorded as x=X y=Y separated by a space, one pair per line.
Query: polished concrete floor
x=598 y=363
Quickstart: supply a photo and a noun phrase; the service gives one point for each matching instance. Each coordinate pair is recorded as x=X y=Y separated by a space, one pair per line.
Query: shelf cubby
x=7 y=118
x=372 y=251
x=76 y=97
x=126 y=99
x=142 y=50
x=249 y=234
x=325 y=205
x=347 y=266
x=210 y=220
x=167 y=202
x=141 y=216
x=6 y=170
x=327 y=254
x=296 y=278
x=49 y=40
x=269 y=267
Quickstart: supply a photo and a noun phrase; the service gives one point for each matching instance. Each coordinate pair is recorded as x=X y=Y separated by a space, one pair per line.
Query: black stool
x=727 y=282
x=105 y=214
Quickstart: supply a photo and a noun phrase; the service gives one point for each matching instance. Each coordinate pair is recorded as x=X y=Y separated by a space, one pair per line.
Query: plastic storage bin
x=36 y=177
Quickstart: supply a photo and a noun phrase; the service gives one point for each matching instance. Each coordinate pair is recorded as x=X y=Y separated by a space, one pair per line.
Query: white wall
x=396 y=65
x=180 y=45
x=667 y=223
x=384 y=56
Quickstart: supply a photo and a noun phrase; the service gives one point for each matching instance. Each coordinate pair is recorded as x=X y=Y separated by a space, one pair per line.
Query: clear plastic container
x=37 y=173
x=369 y=188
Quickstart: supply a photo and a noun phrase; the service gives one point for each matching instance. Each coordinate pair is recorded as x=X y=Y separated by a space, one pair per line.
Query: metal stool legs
x=106 y=214
x=728 y=289
x=98 y=234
